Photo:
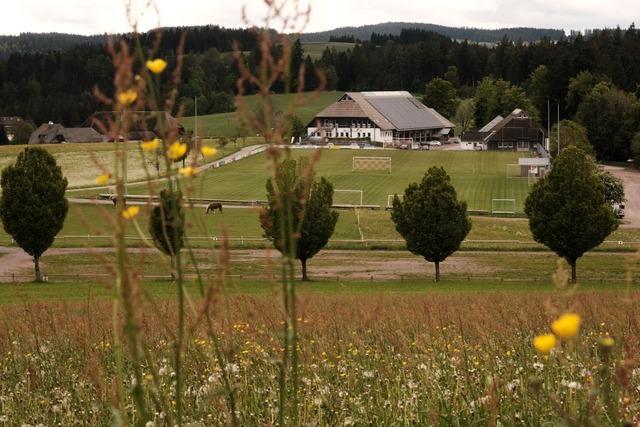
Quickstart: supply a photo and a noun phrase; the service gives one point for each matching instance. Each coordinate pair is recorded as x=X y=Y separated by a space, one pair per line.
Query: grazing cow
x=213 y=206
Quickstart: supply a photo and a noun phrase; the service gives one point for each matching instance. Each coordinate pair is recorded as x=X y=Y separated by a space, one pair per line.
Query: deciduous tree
x=440 y=95
x=571 y=134
x=166 y=225
x=430 y=217
x=33 y=206
x=301 y=204
x=567 y=209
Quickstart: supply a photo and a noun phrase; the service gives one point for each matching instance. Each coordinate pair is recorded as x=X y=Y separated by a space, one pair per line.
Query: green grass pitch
x=477 y=176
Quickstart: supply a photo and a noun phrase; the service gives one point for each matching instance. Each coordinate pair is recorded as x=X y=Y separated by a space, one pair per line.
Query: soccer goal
x=348 y=197
x=390 y=200
x=371 y=163
x=503 y=206
x=513 y=171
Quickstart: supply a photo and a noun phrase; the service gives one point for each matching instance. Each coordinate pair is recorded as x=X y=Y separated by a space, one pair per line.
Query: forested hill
x=478 y=35
x=45 y=42
x=199 y=39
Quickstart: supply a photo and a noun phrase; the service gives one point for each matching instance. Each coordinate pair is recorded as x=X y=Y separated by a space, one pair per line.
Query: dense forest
x=478 y=35
x=593 y=79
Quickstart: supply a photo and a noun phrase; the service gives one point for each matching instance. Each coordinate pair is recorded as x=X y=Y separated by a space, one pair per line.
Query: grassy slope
x=226 y=124
x=315 y=49
x=80 y=162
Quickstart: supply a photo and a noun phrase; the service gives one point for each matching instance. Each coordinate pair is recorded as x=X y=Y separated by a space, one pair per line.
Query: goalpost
x=348 y=197
x=390 y=199
x=370 y=163
x=503 y=206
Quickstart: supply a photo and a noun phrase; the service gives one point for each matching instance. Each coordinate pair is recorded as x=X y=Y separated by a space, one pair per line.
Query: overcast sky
x=99 y=16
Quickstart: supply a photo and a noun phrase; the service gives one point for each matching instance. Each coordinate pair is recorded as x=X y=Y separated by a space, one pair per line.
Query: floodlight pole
x=558 y=128
x=195 y=122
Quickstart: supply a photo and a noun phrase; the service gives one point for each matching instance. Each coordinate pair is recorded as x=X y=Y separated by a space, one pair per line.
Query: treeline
x=51 y=80
x=201 y=38
x=477 y=35
x=58 y=85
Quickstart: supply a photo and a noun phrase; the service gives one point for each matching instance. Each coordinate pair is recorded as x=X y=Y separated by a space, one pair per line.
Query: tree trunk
x=173 y=268
x=36 y=262
x=573 y=271
x=437 y=271
x=303 y=261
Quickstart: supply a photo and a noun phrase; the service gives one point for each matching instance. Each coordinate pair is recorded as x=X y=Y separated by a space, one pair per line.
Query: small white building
x=534 y=166
x=387 y=117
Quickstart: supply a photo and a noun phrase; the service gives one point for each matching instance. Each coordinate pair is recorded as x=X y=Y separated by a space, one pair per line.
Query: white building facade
x=384 y=117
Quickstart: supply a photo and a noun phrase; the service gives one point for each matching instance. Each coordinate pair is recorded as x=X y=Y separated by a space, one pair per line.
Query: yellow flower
x=208 y=151
x=177 y=150
x=127 y=97
x=131 y=212
x=157 y=65
x=188 y=171
x=606 y=342
x=148 y=377
x=544 y=343
x=566 y=326
x=151 y=145
x=103 y=179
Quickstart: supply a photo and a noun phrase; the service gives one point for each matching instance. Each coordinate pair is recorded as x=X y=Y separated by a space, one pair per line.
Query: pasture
x=315 y=49
x=81 y=162
x=228 y=125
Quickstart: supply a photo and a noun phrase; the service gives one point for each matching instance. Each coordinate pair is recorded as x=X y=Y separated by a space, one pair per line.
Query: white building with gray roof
x=387 y=117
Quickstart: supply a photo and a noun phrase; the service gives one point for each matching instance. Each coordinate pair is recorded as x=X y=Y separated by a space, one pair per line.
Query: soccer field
x=478 y=177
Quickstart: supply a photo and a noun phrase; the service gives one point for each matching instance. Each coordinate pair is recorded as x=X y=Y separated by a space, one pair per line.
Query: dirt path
x=631 y=180
x=15 y=263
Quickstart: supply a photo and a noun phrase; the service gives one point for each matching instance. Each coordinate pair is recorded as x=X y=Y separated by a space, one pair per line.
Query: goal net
x=390 y=199
x=513 y=171
x=503 y=206
x=348 y=197
x=371 y=163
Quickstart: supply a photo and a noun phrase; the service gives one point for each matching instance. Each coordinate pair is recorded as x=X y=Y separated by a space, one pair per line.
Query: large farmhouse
x=387 y=117
x=54 y=133
x=516 y=132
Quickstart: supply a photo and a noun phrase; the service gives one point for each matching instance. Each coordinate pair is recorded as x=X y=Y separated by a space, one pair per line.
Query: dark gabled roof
x=489 y=126
x=81 y=135
x=54 y=132
x=518 y=119
x=388 y=110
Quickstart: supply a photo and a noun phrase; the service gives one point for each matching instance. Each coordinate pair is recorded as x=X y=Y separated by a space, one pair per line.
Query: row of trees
x=569 y=210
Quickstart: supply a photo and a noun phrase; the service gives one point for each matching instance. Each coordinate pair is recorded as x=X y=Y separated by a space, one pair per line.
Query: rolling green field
x=89 y=226
x=82 y=162
x=315 y=49
x=227 y=125
x=477 y=176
